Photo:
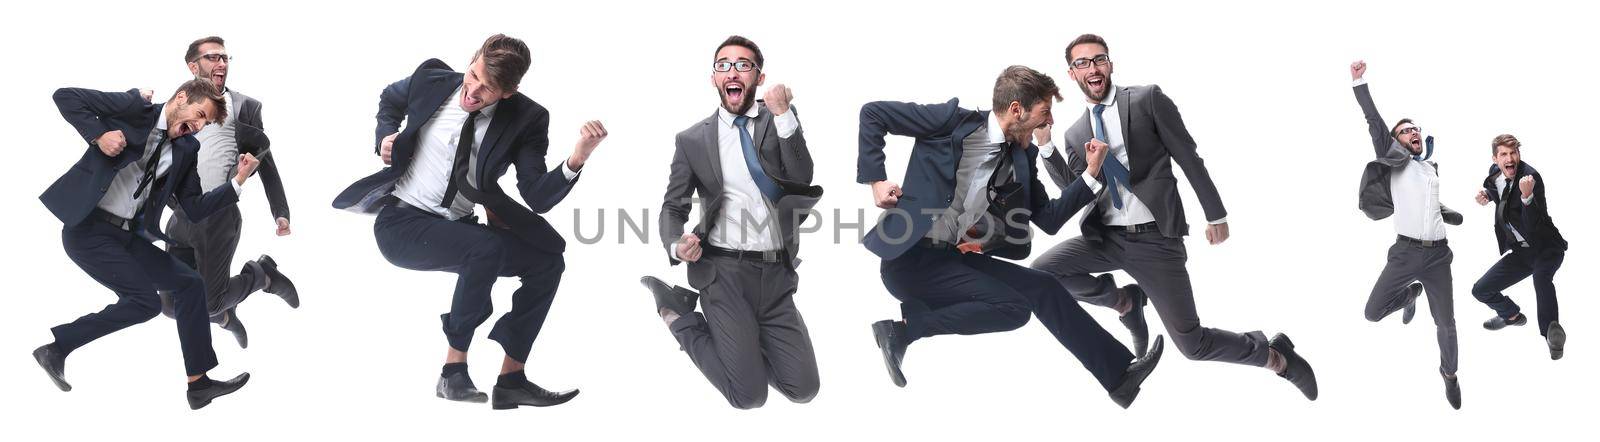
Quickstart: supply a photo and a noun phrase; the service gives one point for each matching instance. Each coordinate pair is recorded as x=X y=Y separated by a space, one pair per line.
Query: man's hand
x=689 y=247
x=387 y=148
x=283 y=226
x=111 y=143
x=1357 y=70
x=1526 y=186
x=247 y=166
x=147 y=95
x=885 y=195
x=1097 y=151
x=1041 y=135
x=1217 y=233
x=589 y=138
x=1483 y=197
x=778 y=98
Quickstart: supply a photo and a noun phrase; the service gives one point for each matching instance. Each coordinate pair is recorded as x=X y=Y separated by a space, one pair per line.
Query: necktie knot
x=740 y=121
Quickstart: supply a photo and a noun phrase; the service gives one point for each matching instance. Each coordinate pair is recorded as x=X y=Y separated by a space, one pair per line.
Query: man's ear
x=760 y=78
x=194 y=68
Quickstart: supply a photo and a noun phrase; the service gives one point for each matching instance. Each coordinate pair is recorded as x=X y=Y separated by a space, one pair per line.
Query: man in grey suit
x=749 y=164
x=1137 y=223
x=208 y=246
x=1402 y=183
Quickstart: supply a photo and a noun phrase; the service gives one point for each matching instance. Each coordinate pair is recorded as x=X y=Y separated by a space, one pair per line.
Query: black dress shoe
x=1556 y=337
x=278 y=284
x=458 y=387
x=891 y=338
x=506 y=398
x=677 y=299
x=54 y=363
x=1298 y=371
x=232 y=325
x=1140 y=369
x=1498 y=322
x=1411 y=303
x=1134 y=320
x=1452 y=391
x=202 y=397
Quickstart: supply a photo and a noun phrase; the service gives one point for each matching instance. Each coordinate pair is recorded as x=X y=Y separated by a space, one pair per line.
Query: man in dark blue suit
x=110 y=204
x=461 y=132
x=971 y=190
x=1530 y=244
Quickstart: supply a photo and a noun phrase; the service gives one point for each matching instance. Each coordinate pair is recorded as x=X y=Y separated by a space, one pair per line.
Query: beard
x=746 y=100
x=1088 y=91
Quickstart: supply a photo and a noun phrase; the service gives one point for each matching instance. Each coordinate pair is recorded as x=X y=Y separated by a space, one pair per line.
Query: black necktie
x=458 y=172
x=150 y=165
x=1505 y=204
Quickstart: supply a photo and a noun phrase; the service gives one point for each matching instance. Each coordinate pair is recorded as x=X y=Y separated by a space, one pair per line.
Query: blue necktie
x=1114 y=171
x=768 y=187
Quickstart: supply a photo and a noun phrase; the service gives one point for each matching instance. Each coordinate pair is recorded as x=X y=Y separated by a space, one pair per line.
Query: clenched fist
x=885 y=195
x=283 y=226
x=386 y=150
x=1526 y=186
x=1097 y=151
x=689 y=248
x=1041 y=134
x=1483 y=197
x=247 y=166
x=589 y=138
x=111 y=143
x=147 y=95
x=1357 y=70
x=778 y=98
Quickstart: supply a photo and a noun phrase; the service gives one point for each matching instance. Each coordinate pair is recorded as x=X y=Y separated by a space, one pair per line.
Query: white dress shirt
x=219 y=150
x=745 y=222
x=1133 y=211
x=1500 y=186
x=1415 y=190
x=424 y=183
x=119 y=199
x=980 y=156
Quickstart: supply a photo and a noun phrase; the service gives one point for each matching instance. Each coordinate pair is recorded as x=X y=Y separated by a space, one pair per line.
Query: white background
x=1263 y=87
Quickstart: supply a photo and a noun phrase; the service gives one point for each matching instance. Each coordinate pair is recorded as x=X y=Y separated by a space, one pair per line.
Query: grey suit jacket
x=1375 y=199
x=1155 y=136
x=697 y=168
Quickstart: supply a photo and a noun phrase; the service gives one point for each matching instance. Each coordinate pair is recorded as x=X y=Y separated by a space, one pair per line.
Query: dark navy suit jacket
x=93 y=113
x=517 y=134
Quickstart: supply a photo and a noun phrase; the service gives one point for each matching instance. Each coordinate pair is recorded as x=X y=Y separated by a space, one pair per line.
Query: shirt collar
x=997 y=135
x=1110 y=100
x=161 y=121
x=727 y=117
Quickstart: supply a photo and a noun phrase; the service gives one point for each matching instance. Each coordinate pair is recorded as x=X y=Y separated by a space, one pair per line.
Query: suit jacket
x=1155 y=137
x=517 y=134
x=697 y=168
x=253 y=140
x=1375 y=199
x=930 y=179
x=78 y=191
x=1532 y=221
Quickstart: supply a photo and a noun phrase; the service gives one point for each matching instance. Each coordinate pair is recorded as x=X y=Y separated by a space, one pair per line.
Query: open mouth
x=471 y=101
x=1416 y=142
x=1096 y=81
x=734 y=92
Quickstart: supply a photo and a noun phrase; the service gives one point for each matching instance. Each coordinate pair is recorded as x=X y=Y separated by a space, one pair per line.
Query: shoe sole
x=1557 y=342
x=504 y=406
x=61 y=383
x=474 y=399
x=881 y=337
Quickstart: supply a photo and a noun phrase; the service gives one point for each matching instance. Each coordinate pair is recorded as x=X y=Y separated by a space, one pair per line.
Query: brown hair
x=194 y=48
x=1507 y=140
x=1085 y=39
x=1395 y=131
x=202 y=89
x=735 y=40
x=505 y=61
x=1023 y=85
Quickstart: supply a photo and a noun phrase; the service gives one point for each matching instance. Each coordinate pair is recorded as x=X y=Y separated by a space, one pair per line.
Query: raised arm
x=84 y=108
x=795 y=158
x=1382 y=141
x=882 y=118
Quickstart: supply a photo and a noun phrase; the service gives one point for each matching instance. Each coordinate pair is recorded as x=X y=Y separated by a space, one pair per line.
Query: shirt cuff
x=1047 y=149
x=238 y=189
x=1358 y=82
x=567 y=171
x=1094 y=184
x=1222 y=220
x=1527 y=201
x=787 y=123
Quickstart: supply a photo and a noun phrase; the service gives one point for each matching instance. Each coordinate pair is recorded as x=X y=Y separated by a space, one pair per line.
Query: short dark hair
x=1085 y=39
x=1394 y=130
x=735 y=40
x=1507 y=140
x=201 y=89
x=1023 y=85
x=194 y=48
x=505 y=61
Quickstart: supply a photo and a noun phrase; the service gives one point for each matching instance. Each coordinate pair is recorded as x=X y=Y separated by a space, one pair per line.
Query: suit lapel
x=491 y=140
x=712 y=150
x=1123 y=108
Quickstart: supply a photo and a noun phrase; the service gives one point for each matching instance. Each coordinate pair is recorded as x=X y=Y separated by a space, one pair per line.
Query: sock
x=453 y=368
x=1276 y=362
x=1124 y=302
x=512 y=379
x=669 y=316
x=200 y=384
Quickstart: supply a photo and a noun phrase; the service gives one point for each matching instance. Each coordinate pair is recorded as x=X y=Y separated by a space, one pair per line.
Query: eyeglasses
x=215 y=57
x=741 y=66
x=1098 y=60
x=1410 y=130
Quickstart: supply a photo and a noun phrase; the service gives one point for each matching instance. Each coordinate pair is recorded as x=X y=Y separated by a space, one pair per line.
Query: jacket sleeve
x=1181 y=147
x=882 y=118
x=84 y=109
x=391 y=111
x=677 y=201
x=1382 y=141
x=542 y=188
x=796 y=157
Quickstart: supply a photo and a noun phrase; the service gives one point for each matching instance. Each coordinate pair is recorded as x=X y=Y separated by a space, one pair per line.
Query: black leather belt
x=1137 y=228
x=469 y=219
x=744 y=255
x=1407 y=239
x=120 y=222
